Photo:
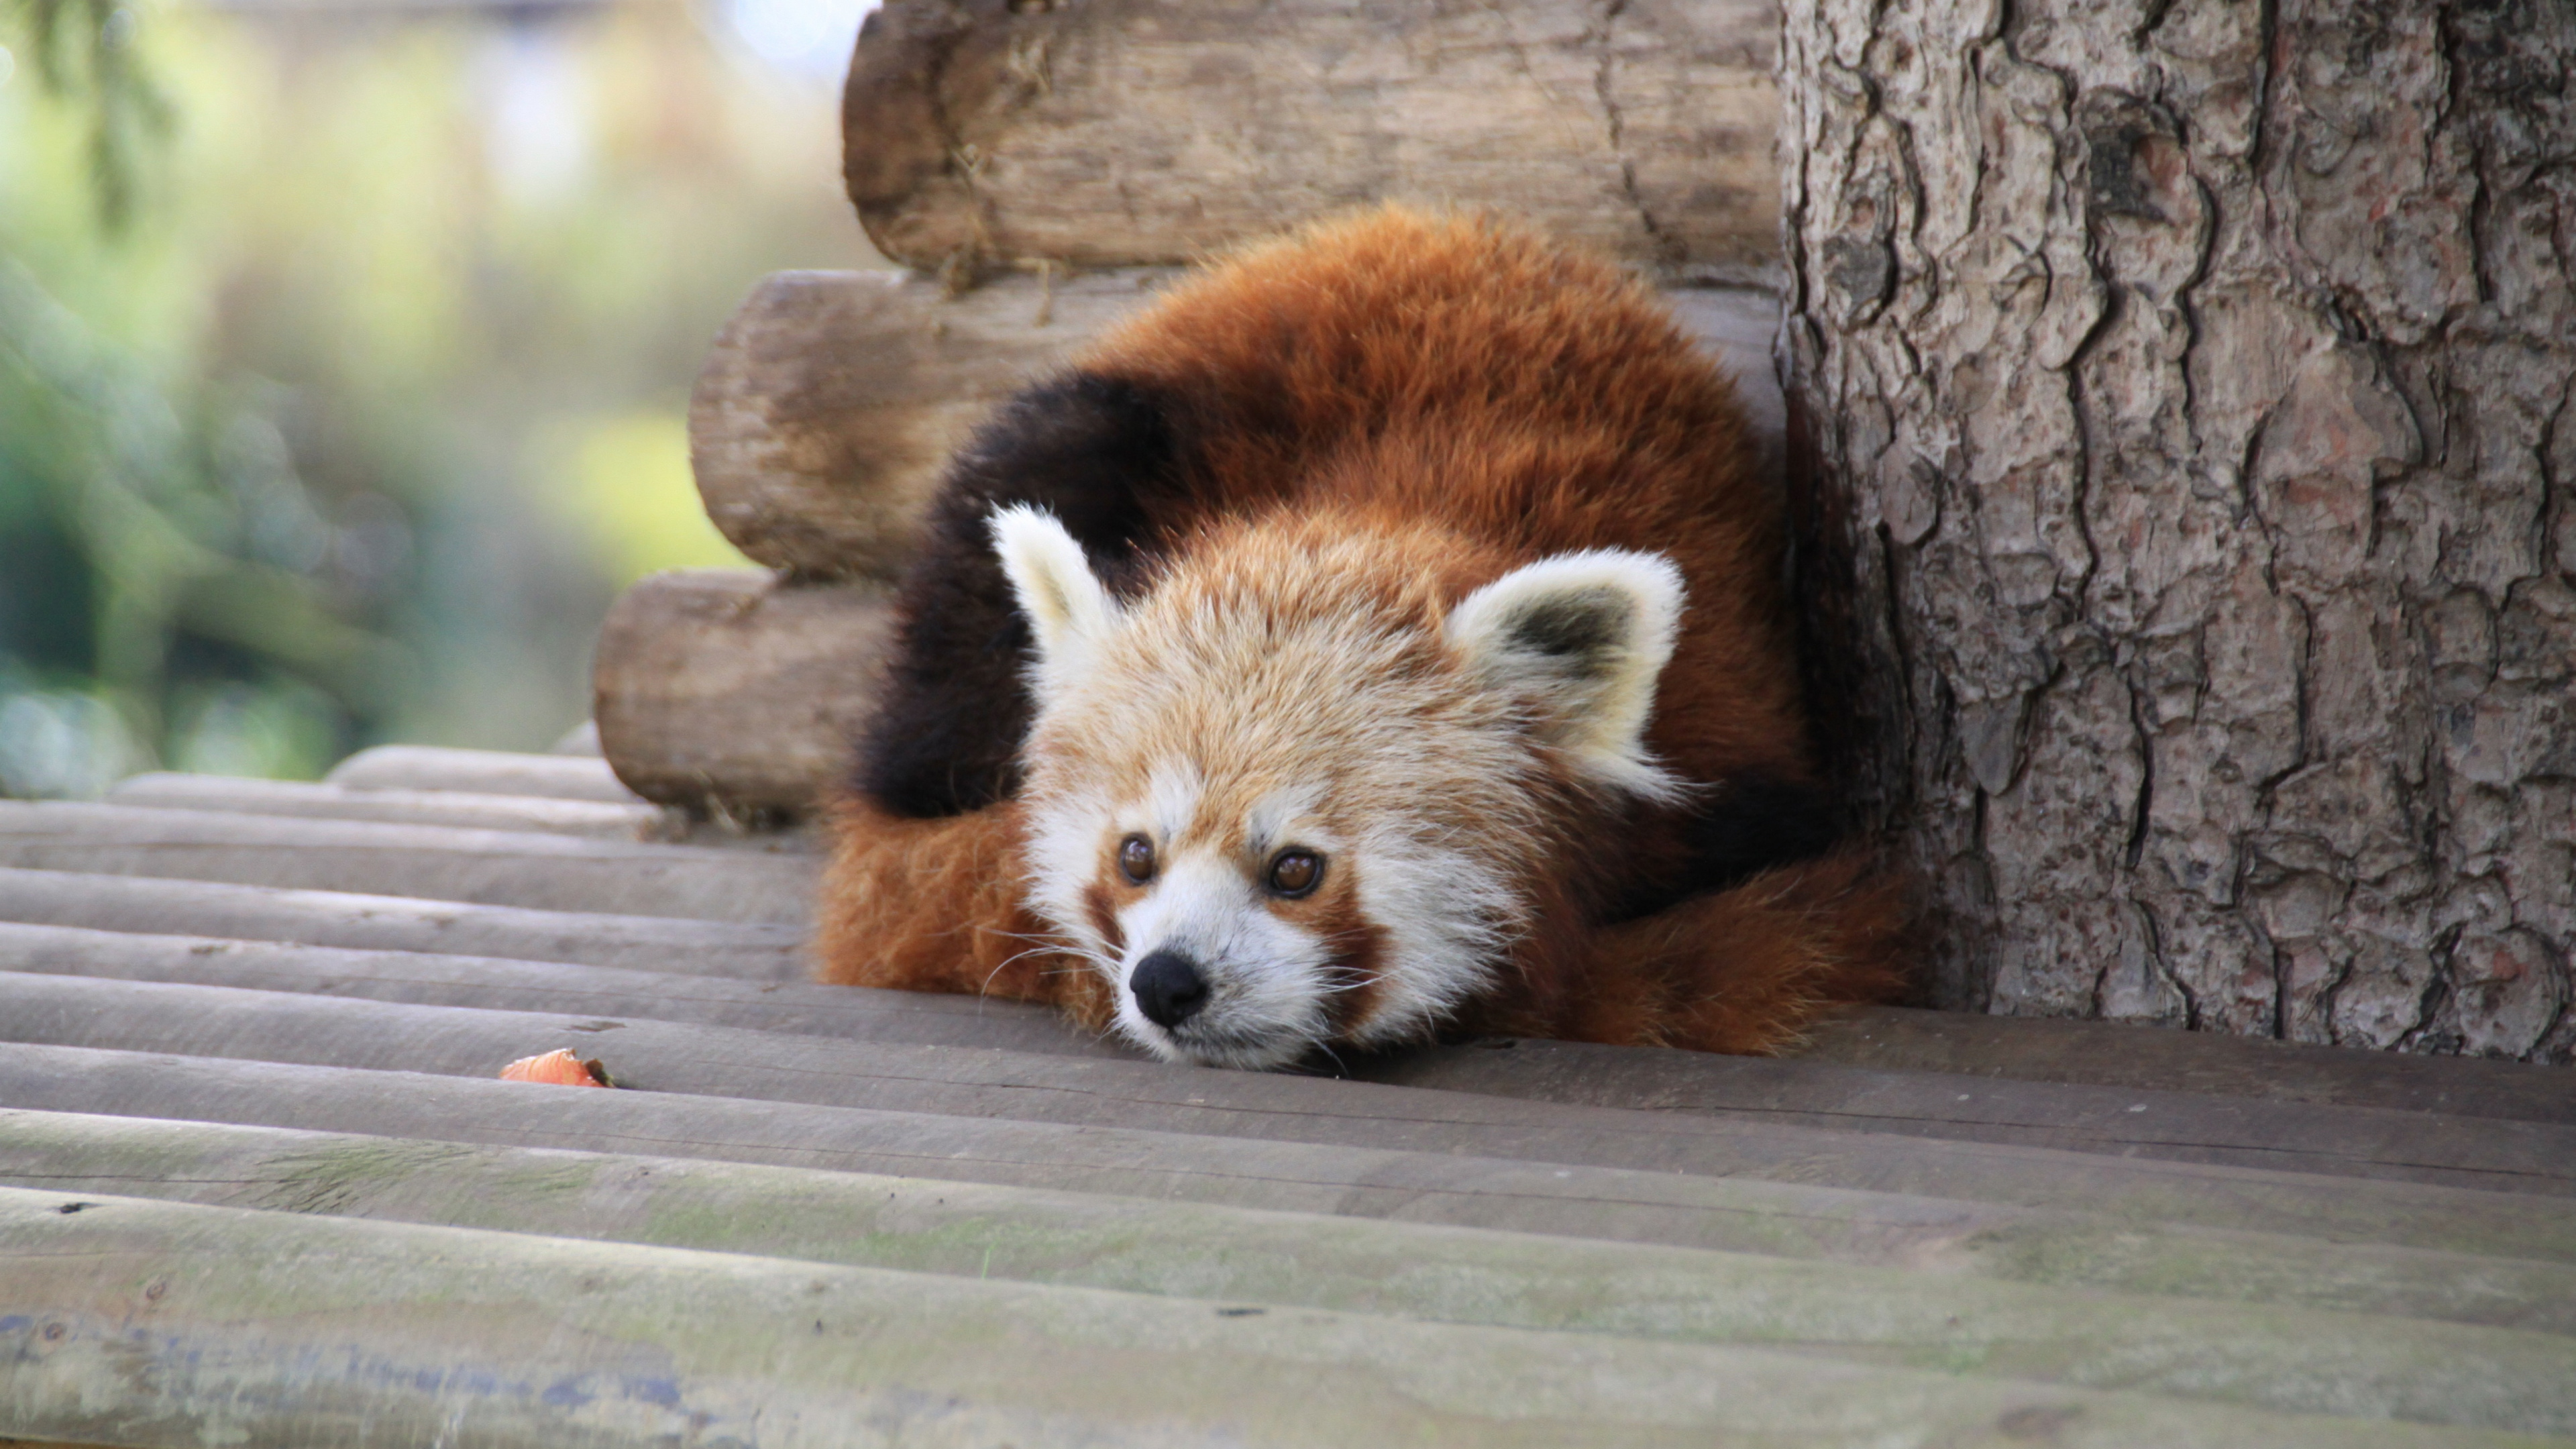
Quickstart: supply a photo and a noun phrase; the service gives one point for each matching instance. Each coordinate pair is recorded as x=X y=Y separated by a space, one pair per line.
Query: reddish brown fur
x=1481 y=400
x=935 y=905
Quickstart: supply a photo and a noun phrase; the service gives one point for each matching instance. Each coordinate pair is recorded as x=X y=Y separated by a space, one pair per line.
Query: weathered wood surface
x=513 y=1340
x=2189 y=536
x=1802 y=1094
x=2297 y=1361
x=480 y=772
x=826 y=411
x=492 y=867
x=2138 y=1055
x=739 y=951
x=1975 y=1159
x=1120 y=132
x=420 y=979
x=829 y=405
x=1634 y=1195
x=464 y=810
x=733 y=693
x=2433 y=1254
x=1888 y=1098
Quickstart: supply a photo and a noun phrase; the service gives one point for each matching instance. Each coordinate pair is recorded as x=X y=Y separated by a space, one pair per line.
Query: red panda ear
x=1069 y=612
x=1585 y=635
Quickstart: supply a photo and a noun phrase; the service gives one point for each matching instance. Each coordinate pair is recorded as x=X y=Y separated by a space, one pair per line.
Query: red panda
x=1381 y=636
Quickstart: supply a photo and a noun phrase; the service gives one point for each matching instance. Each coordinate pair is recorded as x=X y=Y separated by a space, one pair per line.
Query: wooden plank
x=593 y=819
x=276 y=1327
x=481 y=772
x=1093 y=1092
x=2194 y=1126
x=1125 y=131
x=486 y=867
x=828 y=407
x=2426 y=1253
x=2119 y=1054
x=395 y=923
x=733 y=693
x=845 y=1013
x=2294 y=1361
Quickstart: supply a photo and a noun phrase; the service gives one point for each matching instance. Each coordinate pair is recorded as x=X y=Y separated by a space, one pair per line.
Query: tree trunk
x=2180 y=393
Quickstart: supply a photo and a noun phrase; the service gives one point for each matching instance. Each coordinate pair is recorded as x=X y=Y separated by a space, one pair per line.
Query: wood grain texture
x=1125 y=132
x=525 y=1342
x=2272 y=1357
x=2137 y=1055
x=170 y=790
x=528 y=868
x=1974 y=1210
x=151 y=904
x=1743 y=1115
x=827 y=410
x=429 y=979
x=480 y=772
x=2189 y=542
x=828 y=406
x=733 y=692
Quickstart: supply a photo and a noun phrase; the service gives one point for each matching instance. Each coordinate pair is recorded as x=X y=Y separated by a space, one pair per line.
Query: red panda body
x=1383 y=635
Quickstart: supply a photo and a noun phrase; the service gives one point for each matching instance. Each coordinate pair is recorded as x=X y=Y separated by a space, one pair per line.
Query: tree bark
x=2180 y=444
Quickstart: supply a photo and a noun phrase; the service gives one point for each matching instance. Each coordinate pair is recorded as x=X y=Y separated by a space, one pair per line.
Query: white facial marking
x=1285 y=817
x=1262 y=1008
x=1172 y=801
x=1448 y=916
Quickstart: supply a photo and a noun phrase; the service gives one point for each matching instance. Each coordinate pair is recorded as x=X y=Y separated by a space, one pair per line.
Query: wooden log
x=492 y=867
x=2504 y=1160
x=394 y=923
x=828 y=406
x=2122 y=1054
x=597 y=820
x=504 y=1339
x=480 y=772
x=1120 y=132
x=843 y=1013
x=733 y=694
x=831 y=402
x=2289 y=1360
x=2430 y=1253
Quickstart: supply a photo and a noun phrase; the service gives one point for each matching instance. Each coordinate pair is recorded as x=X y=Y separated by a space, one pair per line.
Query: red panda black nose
x=1169 y=989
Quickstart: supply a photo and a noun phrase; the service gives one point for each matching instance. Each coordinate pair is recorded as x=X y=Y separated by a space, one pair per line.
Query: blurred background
x=345 y=349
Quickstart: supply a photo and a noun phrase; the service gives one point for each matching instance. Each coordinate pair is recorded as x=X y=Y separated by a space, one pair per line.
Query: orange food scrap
x=558 y=1068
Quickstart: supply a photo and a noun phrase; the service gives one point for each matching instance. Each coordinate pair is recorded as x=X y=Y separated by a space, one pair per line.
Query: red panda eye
x=1136 y=859
x=1295 y=872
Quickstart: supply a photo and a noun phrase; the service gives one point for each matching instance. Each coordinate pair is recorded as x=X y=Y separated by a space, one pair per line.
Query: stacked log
x=1041 y=170
x=1116 y=133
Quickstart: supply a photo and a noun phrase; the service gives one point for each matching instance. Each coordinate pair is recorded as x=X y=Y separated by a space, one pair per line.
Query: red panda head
x=1302 y=792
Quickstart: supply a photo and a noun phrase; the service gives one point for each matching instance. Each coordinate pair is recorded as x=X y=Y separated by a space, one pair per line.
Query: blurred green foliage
x=84 y=50
x=344 y=359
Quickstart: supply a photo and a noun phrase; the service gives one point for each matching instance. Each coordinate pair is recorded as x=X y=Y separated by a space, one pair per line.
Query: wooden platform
x=259 y=1185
